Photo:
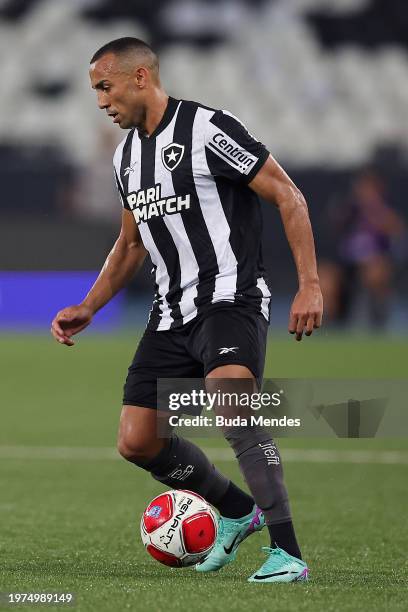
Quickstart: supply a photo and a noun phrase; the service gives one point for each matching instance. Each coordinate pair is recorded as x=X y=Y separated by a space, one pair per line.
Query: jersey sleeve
x=231 y=151
x=120 y=190
x=117 y=163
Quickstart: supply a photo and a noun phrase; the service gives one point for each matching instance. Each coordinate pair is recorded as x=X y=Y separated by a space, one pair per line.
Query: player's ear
x=141 y=77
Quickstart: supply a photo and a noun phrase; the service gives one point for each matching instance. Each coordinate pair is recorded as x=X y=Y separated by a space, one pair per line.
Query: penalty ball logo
x=168 y=536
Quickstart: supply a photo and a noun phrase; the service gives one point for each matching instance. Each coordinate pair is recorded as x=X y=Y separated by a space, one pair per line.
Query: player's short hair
x=127 y=45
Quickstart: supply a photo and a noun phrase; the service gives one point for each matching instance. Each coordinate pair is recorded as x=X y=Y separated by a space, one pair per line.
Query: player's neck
x=155 y=110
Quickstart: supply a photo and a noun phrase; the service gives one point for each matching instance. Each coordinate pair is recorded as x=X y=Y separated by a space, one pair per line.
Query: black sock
x=183 y=465
x=235 y=503
x=283 y=536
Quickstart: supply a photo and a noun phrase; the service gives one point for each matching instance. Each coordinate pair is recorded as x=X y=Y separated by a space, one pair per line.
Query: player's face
x=117 y=91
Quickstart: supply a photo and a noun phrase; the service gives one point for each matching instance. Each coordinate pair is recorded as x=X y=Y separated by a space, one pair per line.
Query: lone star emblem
x=172 y=155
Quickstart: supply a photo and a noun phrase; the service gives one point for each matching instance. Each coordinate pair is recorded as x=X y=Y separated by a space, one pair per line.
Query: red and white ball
x=178 y=528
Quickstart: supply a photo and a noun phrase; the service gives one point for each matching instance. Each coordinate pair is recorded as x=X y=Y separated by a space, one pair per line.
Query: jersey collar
x=165 y=120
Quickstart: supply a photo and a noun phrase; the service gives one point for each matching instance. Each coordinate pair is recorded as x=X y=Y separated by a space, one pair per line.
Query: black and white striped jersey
x=187 y=187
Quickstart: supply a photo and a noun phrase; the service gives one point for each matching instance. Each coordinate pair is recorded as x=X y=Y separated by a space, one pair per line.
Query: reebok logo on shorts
x=224 y=349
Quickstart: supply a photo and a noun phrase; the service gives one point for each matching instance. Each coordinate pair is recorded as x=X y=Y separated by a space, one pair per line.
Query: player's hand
x=69 y=322
x=307 y=311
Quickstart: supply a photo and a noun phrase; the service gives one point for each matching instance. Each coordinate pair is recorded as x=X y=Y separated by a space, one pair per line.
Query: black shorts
x=225 y=335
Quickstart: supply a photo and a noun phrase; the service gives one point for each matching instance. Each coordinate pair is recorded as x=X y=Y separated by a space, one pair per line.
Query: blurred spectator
x=94 y=195
x=364 y=227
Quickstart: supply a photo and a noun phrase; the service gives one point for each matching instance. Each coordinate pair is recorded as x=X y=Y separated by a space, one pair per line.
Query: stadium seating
x=310 y=101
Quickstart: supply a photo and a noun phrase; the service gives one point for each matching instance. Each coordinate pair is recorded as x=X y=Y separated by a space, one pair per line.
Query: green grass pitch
x=72 y=524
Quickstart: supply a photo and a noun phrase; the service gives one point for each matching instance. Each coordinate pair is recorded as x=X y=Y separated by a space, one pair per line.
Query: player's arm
x=274 y=185
x=124 y=260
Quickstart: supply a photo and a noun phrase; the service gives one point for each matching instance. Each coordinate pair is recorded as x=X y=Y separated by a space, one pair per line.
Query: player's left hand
x=307 y=311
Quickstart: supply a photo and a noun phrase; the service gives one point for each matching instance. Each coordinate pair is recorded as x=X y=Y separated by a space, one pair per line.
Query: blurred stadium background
x=324 y=84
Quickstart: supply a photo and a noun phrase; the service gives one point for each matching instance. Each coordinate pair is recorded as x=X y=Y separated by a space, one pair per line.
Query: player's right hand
x=70 y=321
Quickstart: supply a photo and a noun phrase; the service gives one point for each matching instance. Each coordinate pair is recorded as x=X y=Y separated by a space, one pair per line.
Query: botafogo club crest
x=172 y=154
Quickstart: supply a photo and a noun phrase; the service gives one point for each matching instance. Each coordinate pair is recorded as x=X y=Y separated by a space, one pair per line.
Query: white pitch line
x=79 y=453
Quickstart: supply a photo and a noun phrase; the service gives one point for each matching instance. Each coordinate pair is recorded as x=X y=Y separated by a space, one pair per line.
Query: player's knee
x=133 y=450
x=128 y=451
x=138 y=450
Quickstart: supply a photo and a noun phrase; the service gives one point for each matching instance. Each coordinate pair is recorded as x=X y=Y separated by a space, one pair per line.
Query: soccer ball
x=178 y=528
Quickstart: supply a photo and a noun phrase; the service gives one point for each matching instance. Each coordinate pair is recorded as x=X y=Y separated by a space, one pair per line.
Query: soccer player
x=189 y=178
